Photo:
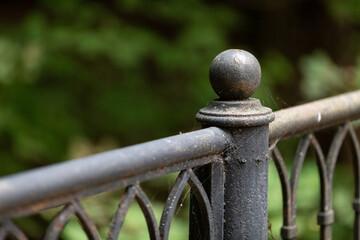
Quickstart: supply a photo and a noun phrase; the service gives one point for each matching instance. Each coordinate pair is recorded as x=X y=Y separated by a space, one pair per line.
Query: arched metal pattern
x=326 y=169
x=9 y=230
x=134 y=192
x=356 y=167
x=61 y=219
x=186 y=176
x=171 y=203
x=131 y=193
x=289 y=186
x=285 y=185
x=326 y=214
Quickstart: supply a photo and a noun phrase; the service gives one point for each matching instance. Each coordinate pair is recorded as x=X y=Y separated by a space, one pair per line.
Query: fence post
x=235 y=76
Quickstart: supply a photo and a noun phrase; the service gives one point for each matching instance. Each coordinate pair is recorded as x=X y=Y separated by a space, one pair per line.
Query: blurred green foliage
x=74 y=70
x=80 y=77
x=323 y=78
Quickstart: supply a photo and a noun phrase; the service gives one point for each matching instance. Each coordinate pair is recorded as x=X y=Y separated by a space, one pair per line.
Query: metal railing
x=225 y=164
x=303 y=121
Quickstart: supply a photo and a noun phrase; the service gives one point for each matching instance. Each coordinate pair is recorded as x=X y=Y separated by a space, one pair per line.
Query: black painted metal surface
x=25 y=191
x=246 y=183
x=246 y=164
x=235 y=74
x=225 y=165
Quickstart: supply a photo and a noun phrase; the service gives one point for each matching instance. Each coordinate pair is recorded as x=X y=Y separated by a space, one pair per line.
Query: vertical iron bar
x=246 y=185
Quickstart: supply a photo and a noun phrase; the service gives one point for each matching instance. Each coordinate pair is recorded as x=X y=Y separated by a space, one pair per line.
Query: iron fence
x=225 y=164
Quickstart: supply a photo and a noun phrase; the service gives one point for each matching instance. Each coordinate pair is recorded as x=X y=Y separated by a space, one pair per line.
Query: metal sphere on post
x=235 y=76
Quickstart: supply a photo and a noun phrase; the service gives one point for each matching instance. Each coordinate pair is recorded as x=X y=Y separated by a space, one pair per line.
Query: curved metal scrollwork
x=356 y=167
x=171 y=203
x=134 y=192
x=289 y=186
x=9 y=229
x=61 y=219
x=186 y=176
x=326 y=174
x=131 y=193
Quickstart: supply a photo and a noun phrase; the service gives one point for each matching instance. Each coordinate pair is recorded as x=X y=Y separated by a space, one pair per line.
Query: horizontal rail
x=69 y=178
x=58 y=183
x=315 y=115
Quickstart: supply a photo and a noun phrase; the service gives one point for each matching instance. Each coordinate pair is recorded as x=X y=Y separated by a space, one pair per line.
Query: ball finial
x=235 y=74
